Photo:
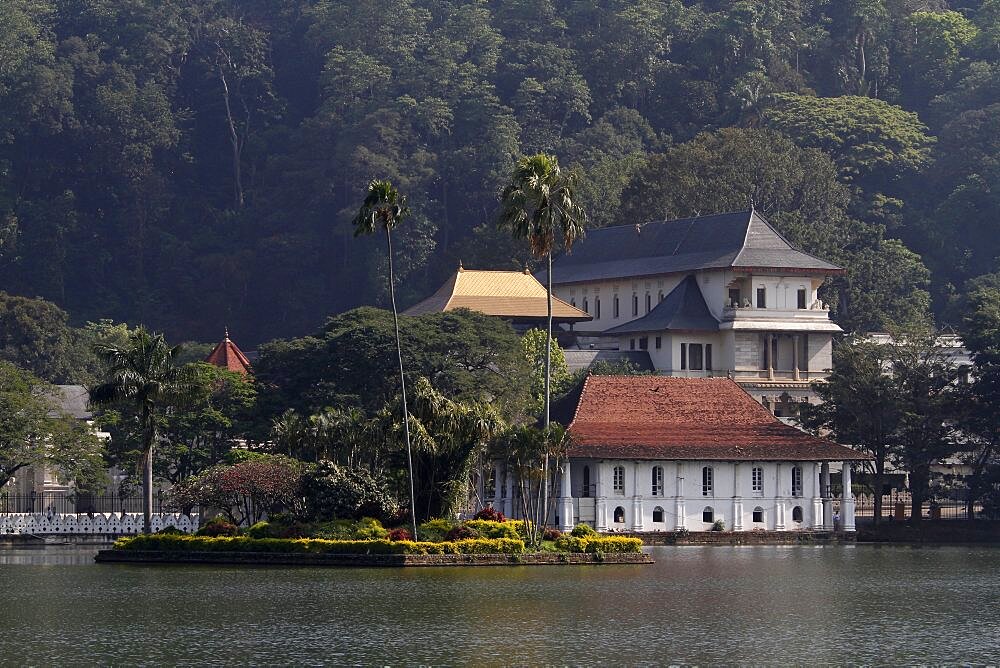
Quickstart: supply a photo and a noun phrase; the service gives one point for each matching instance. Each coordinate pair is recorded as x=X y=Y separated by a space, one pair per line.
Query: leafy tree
x=384 y=207
x=141 y=373
x=860 y=407
x=332 y=491
x=35 y=335
x=533 y=349
x=936 y=41
x=33 y=432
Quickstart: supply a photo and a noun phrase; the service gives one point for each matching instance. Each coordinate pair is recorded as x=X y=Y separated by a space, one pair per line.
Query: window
x=597 y=307
x=761 y=298
x=659 y=342
x=660 y=298
x=586 y=306
x=490 y=489
x=684 y=356
x=631 y=344
x=657 y=485
x=757 y=479
x=635 y=304
x=695 y=361
x=616 y=306
x=708 y=357
x=586 y=482
x=644 y=343
x=797 y=514
x=619 y=480
x=758 y=514
x=734 y=297
x=572 y=301
x=802 y=298
x=657 y=514
x=708 y=515
x=796 y=481
x=619 y=515
x=707 y=484
x=649 y=302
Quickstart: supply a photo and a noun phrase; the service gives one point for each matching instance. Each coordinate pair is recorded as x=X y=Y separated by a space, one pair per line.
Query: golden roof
x=506 y=294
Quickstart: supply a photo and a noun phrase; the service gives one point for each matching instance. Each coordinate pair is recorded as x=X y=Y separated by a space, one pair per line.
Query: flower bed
x=180 y=543
x=599 y=544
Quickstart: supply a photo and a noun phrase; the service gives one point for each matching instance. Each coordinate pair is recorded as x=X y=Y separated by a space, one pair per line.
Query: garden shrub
x=462 y=532
x=334 y=491
x=583 y=530
x=170 y=530
x=598 y=544
x=175 y=543
x=718 y=525
x=551 y=533
x=435 y=530
x=400 y=534
x=492 y=529
x=262 y=530
x=218 y=526
x=491 y=515
x=370 y=528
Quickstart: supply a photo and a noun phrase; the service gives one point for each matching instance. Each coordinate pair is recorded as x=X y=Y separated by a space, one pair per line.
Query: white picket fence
x=112 y=524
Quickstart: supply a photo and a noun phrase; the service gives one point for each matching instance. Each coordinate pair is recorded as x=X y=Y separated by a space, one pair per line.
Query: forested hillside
x=193 y=163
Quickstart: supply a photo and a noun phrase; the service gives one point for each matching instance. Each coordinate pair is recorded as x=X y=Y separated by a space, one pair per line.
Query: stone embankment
x=368 y=560
x=740 y=537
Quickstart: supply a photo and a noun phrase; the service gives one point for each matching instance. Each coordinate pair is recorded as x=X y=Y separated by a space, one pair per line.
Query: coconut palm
x=384 y=208
x=537 y=205
x=142 y=372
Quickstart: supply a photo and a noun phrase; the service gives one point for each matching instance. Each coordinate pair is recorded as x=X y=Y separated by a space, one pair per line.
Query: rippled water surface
x=774 y=605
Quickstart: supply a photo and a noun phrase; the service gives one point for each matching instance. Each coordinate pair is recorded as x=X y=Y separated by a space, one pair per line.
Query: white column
x=636 y=499
x=680 y=521
x=817 y=485
x=824 y=491
x=737 y=499
x=566 y=517
x=847 y=501
x=779 y=501
x=601 y=503
x=508 y=492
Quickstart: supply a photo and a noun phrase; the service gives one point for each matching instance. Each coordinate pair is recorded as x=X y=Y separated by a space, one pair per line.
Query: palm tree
x=384 y=208
x=537 y=204
x=141 y=372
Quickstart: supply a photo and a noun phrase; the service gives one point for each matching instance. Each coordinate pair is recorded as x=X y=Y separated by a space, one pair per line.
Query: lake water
x=759 y=605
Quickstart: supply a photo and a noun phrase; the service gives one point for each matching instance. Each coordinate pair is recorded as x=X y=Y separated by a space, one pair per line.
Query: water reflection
x=695 y=605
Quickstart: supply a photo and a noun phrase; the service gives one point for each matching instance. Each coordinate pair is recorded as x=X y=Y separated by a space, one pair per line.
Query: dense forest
x=189 y=164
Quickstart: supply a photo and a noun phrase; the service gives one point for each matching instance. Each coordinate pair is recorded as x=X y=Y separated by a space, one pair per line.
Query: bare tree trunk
x=548 y=392
x=402 y=383
x=234 y=140
x=147 y=471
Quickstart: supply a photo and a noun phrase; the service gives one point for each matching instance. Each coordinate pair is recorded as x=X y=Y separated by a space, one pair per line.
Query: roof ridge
x=671 y=220
x=579 y=402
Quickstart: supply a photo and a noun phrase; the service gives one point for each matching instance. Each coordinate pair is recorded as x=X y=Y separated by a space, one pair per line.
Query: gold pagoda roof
x=505 y=294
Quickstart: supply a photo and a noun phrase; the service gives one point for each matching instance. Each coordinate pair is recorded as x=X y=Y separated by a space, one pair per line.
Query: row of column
x=822 y=504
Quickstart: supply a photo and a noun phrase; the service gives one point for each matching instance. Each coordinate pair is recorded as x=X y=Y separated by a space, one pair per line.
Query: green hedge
x=490 y=529
x=595 y=544
x=174 y=543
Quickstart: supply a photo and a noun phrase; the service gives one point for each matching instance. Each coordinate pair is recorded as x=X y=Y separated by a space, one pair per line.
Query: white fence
x=113 y=524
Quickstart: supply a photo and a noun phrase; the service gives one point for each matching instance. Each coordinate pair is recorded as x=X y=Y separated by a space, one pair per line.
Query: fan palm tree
x=537 y=204
x=383 y=209
x=142 y=371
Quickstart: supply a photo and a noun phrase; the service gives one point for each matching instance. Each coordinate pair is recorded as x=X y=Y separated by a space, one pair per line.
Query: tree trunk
x=548 y=390
x=402 y=382
x=147 y=470
x=878 y=486
x=234 y=141
x=918 y=491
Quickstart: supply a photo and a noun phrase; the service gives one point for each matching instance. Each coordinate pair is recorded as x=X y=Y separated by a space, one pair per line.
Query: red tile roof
x=660 y=417
x=229 y=356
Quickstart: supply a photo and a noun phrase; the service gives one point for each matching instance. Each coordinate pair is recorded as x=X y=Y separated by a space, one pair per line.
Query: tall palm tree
x=142 y=372
x=384 y=208
x=537 y=205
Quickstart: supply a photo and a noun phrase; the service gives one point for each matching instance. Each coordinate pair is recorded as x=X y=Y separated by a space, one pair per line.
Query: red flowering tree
x=245 y=491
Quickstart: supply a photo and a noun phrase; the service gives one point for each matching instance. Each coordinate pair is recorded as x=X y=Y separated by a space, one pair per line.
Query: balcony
x=816 y=319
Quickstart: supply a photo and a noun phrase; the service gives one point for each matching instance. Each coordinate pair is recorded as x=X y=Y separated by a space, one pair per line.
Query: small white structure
x=657 y=453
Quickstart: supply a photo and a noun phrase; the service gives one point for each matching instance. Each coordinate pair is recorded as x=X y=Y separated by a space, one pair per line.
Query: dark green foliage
x=218 y=527
x=333 y=491
x=195 y=163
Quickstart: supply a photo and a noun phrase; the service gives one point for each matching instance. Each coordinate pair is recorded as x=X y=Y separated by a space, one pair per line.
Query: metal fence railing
x=52 y=503
x=899 y=506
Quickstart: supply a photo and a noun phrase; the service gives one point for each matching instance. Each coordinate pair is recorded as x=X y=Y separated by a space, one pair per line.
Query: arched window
x=796 y=481
x=657 y=514
x=635 y=304
x=707 y=481
x=758 y=514
x=619 y=515
x=586 y=482
x=708 y=515
x=586 y=306
x=797 y=514
x=649 y=302
x=597 y=307
x=616 y=308
x=619 y=480
x=657 y=486
x=660 y=298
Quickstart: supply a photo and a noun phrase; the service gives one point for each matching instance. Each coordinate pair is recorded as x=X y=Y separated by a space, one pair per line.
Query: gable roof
x=684 y=309
x=666 y=418
x=507 y=294
x=739 y=240
x=72 y=400
x=228 y=356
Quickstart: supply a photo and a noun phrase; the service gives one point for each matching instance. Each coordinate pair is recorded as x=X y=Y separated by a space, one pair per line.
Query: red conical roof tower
x=229 y=356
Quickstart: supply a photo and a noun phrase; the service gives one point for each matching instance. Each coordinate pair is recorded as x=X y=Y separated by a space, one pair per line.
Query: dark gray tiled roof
x=739 y=239
x=684 y=309
x=583 y=359
x=72 y=400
